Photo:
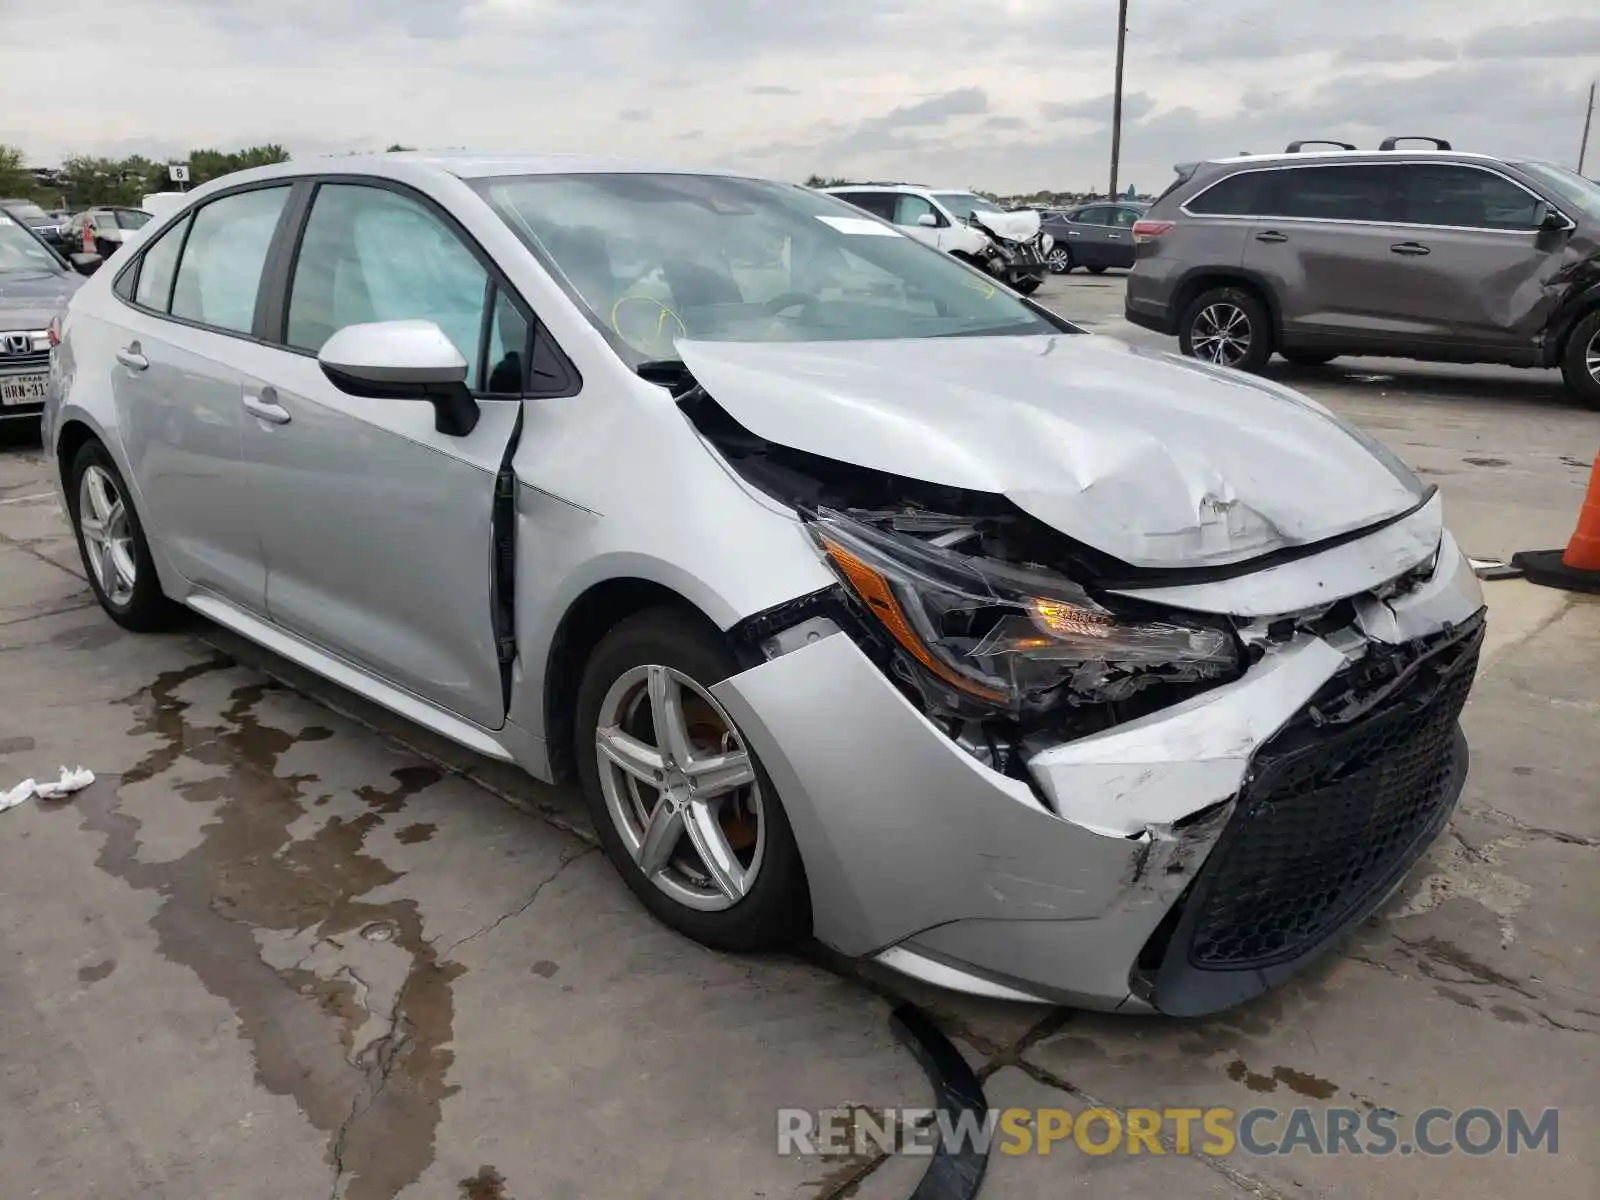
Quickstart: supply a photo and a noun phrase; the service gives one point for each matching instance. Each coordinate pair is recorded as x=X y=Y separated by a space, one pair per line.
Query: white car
x=1008 y=245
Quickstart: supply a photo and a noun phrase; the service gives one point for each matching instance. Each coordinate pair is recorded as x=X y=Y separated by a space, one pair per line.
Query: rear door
x=188 y=313
x=1324 y=240
x=381 y=535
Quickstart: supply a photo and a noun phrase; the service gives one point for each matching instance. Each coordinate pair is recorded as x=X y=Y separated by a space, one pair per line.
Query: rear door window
x=1467 y=198
x=219 y=275
x=879 y=204
x=1353 y=193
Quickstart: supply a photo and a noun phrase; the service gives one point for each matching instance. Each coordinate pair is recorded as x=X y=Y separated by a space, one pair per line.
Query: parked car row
x=1437 y=255
x=106 y=227
x=35 y=284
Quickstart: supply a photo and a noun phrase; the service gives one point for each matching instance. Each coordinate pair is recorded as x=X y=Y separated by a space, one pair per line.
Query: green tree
x=15 y=178
x=92 y=180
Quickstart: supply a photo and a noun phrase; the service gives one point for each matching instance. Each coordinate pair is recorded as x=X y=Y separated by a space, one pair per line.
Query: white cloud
x=1000 y=93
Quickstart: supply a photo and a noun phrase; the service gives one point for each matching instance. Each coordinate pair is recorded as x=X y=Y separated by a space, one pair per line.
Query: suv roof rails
x=1389 y=143
x=1294 y=147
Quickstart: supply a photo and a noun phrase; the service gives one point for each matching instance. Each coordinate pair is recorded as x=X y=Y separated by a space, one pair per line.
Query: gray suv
x=1437 y=255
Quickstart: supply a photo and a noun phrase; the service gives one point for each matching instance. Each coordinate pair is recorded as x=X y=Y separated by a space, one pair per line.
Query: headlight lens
x=1006 y=638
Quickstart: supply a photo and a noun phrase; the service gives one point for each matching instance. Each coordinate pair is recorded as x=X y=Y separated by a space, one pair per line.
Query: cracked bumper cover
x=920 y=855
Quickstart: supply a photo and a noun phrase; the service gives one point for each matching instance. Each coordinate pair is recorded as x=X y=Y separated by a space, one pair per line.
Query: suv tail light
x=1149 y=231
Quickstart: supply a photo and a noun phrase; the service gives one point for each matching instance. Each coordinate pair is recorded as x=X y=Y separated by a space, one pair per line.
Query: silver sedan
x=863 y=598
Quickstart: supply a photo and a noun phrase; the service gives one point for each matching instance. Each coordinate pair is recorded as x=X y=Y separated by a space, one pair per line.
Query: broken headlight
x=1004 y=638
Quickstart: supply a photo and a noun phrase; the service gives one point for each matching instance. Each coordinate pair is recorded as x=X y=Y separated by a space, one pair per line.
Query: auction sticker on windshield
x=22 y=389
x=858 y=226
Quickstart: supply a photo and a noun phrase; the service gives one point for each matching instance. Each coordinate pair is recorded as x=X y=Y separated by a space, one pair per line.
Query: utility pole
x=1588 y=118
x=1116 y=102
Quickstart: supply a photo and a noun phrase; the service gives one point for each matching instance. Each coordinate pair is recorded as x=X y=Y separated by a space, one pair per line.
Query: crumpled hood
x=1154 y=459
x=1015 y=226
x=28 y=299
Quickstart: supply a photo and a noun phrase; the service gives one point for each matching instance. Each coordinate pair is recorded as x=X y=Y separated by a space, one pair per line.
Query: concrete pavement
x=288 y=946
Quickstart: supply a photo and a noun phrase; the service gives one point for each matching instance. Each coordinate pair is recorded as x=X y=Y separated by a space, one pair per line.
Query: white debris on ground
x=74 y=780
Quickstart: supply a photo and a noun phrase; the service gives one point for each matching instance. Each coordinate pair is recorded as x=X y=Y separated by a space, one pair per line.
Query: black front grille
x=31 y=362
x=1330 y=817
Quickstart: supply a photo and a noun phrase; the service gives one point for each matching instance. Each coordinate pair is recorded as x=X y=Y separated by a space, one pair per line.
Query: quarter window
x=879 y=204
x=370 y=254
x=1465 y=197
x=157 y=269
x=219 y=275
x=1242 y=195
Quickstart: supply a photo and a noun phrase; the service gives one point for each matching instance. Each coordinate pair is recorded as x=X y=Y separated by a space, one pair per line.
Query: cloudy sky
x=1004 y=94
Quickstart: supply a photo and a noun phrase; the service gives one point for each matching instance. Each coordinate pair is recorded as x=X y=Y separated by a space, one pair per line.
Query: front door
x=178 y=393
x=378 y=531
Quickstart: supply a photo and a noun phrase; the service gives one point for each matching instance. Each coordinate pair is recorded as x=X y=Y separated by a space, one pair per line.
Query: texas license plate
x=22 y=389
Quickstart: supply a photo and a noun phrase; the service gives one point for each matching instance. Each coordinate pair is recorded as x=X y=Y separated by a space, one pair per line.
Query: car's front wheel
x=683 y=806
x=116 y=554
x=1228 y=326
x=1059 y=260
x=1580 y=365
x=1027 y=285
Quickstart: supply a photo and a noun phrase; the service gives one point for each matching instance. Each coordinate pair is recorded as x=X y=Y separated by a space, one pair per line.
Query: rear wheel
x=1308 y=358
x=684 y=808
x=1227 y=326
x=111 y=540
x=1580 y=365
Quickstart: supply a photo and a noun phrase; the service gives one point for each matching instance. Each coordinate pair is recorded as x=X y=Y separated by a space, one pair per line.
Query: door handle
x=1073 y=233
x=132 y=357
x=1271 y=235
x=266 y=406
x=1413 y=248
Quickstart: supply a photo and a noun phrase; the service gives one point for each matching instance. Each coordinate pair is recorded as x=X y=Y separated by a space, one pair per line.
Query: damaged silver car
x=861 y=597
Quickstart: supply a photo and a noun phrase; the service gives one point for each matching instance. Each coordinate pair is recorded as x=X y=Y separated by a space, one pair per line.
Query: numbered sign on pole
x=178 y=172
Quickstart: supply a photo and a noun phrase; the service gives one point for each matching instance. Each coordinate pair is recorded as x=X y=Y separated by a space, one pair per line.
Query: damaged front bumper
x=1181 y=862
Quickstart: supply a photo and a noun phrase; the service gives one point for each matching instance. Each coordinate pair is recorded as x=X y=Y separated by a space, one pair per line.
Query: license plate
x=22 y=389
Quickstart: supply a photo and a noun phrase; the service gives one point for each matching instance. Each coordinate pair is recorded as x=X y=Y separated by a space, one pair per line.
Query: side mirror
x=1551 y=219
x=403 y=360
x=928 y=221
x=85 y=264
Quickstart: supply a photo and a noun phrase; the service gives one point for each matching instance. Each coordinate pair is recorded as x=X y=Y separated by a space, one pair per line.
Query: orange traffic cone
x=1576 y=569
x=88 y=236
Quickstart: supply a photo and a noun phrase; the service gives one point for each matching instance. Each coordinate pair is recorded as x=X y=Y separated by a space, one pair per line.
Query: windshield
x=654 y=258
x=22 y=251
x=131 y=218
x=964 y=204
x=1583 y=194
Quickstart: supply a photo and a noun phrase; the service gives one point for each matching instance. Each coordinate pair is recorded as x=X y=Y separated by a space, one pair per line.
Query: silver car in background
x=862 y=598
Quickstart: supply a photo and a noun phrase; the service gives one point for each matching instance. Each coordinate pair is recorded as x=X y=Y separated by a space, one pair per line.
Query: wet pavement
x=288 y=946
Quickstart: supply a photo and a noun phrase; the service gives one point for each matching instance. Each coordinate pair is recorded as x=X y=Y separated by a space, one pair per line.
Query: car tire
x=1580 y=365
x=1308 y=358
x=1060 y=261
x=1238 y=318
x=1098 y=270
x=112 y=543
x=1027 y=285
x=764 y=903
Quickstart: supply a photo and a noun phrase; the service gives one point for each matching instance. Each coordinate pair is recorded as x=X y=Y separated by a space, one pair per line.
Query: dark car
x=1094 y=236
x=35 y=218
x=1438 y=255
x=35 y=284
x=108 y=228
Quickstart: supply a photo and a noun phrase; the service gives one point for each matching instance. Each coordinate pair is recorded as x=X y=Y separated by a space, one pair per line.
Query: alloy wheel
x=1591 y=357
x=681 y=788
x=107 y=535
x=1059 y=260
x=1221 y=334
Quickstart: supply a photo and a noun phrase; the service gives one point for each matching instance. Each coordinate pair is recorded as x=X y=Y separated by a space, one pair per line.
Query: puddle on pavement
x=487 y=1184
x=373 y=1081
